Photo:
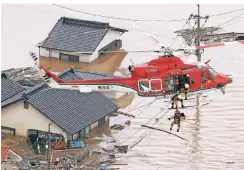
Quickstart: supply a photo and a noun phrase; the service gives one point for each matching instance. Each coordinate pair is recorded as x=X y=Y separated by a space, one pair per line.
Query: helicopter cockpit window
x=212 y=72
x=204 y=77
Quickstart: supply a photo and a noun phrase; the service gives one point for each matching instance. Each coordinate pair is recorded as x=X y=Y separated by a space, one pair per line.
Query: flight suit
x=178 y=117
x=174 y=100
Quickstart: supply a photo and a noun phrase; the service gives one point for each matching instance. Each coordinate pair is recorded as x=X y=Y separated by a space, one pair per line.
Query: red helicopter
x=156 y=78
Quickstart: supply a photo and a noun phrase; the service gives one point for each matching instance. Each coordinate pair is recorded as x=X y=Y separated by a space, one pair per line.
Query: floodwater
x=215 y=131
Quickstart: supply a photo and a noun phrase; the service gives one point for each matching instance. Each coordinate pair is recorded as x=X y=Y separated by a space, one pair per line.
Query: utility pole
x=49 y=147
x=198 y=34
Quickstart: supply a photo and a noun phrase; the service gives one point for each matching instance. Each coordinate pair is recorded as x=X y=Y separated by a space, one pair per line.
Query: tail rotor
x=45 y=76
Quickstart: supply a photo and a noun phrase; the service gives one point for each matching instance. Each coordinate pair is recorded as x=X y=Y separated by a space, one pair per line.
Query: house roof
x=9 y=88
x=71 y=109
x=4 y=152
x=75 y=35
x=13 y=92
x=71 y=74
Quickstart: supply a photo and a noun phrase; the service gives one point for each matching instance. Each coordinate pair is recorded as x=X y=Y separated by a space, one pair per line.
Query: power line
x=230 y=20
x=118 y=18
x=229 y=12
x=182 y=29
x=234 y=22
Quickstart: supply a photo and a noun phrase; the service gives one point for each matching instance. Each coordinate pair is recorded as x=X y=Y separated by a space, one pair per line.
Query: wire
x=230 y=20
x=118 y=18
x=188 y=21
x=234 y=22
x=229 y=12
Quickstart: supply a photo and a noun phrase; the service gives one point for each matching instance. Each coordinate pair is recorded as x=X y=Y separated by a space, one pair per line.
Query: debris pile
x=25 y=76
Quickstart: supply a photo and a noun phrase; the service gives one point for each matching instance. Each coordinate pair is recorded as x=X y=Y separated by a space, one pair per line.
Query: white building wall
x=16 y=116
x=55 y=54
x=108 y=38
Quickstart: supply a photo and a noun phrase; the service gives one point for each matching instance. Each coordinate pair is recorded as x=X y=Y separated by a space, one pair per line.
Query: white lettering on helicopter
x=174 y=73
x=152 y=70
x=103 y=87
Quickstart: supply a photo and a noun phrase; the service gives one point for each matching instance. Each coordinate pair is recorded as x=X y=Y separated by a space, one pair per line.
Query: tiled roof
x=18 y=96
x=71 y=109
x=9 y=88
x=4 y=152
x=75 y=35
x=71 y=74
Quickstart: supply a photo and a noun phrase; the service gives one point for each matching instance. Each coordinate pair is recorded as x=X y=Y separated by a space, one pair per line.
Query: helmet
x=187 y=86
x=177 y=111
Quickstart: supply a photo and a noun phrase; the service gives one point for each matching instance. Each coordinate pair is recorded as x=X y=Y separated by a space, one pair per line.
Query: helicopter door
x=169 y=84
x=156 y=85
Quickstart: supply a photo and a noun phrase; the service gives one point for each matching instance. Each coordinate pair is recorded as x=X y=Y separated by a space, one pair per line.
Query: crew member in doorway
x=174 y=100
x=177 y=84
x=178 y=117
x=186 y=90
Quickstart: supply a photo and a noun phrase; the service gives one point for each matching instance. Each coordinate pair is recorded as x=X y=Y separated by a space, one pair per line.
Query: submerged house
x=72 y=114
x=78 y=42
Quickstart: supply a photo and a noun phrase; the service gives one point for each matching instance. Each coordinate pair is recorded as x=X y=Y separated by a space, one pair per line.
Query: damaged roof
x=75 y=35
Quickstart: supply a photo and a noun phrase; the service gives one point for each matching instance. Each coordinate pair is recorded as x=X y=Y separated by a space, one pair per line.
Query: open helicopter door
x=150 y=85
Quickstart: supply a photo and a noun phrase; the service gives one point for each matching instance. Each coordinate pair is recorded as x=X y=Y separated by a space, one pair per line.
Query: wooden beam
x=126 y=114
x=150 y=127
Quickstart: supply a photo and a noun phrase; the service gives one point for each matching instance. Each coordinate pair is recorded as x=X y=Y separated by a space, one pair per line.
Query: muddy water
x=215 y=131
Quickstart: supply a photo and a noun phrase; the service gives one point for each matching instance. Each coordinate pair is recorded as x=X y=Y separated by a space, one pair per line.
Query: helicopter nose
x=224 y=79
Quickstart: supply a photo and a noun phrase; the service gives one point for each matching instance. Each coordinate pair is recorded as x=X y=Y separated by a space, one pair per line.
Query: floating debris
x=117 y=127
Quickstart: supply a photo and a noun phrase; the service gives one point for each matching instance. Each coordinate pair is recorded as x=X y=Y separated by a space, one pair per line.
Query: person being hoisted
x=178 y=117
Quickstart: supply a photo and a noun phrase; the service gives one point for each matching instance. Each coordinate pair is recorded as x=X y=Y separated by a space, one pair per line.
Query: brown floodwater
x=215 y=132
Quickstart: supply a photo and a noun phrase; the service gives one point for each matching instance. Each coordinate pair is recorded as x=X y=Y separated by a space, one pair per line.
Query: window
x=212 y=72
x=69 y=57
x=26 y=105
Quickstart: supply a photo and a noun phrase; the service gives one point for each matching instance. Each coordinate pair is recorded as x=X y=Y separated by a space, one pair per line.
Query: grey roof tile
x=22 y=94
x=69 y=74
x=9 y=88
x=70 y=109
x=75 y=35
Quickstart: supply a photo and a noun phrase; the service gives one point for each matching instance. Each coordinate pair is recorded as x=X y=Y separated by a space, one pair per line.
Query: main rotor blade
x=215 y=45
x=151 y=37
x=103 y=52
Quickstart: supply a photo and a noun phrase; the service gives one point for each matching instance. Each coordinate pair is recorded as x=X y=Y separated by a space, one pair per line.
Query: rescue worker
x=174 y=100
x=177 y=84
x=178 y=117
x=186 y=90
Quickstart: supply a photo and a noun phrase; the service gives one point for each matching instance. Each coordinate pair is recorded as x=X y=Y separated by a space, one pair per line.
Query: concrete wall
x=16 y=116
